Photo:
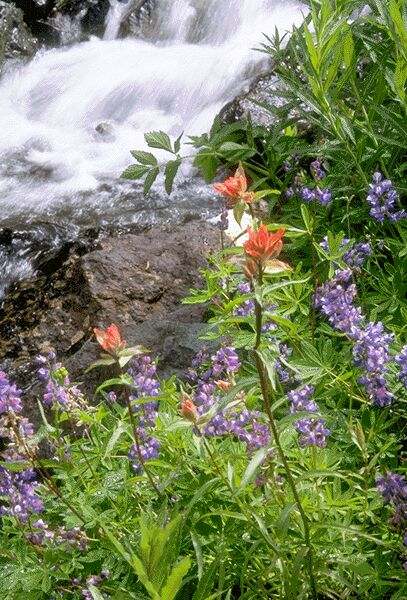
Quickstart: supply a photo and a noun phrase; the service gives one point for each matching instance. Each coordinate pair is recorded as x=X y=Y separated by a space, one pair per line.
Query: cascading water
x=119 y=10
x=69 y=118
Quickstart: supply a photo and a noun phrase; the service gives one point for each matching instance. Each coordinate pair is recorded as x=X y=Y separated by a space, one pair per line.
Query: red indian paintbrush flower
x=235 y=188
x=262 y=244
x=188 y=409
x=110 y=339
x=223 y=385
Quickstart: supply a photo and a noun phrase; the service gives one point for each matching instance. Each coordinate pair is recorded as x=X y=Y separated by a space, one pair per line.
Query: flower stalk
x=266 y=393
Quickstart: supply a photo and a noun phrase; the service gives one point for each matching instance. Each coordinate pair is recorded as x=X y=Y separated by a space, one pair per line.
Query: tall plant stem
x=314 y=259
x=266 y=393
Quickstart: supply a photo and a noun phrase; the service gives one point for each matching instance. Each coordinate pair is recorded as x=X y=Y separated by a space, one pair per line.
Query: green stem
x=264 y=385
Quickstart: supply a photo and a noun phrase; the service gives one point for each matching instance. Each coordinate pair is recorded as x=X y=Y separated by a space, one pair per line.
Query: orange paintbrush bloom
x=188 y=409
x=110 y=339
x=262 y=244
x=223 y=385
x=235 y=188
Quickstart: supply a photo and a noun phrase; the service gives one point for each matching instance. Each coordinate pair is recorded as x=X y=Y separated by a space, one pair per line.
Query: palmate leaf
x=207 y=163
x=135 y=172
x=171 y=170
x=150 y=179
x=144 y=158
x=158 y=139
x=234 y=152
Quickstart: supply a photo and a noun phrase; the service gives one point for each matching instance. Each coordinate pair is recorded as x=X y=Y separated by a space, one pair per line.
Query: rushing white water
x=69 y=118
x=119 y=10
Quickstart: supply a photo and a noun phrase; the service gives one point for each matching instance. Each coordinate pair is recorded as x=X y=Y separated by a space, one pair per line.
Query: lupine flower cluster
x=312 y=430
x=311 y=194
x=18 y=489
x=284 y=375
x=401 y=360
x=335 y=299
x=243 y=424
x=143 y=372
x=301 y=400
x=223 y=364
x=13 y=425
x=382 y=199
x=10 y=396
x=95 y=581
x=59 y=391
x=225 y=361
x=247 y=308
x=371 y=353
x=41 y=534
x=393 y=488
x=355 y=256
x=317 y=170
x=322 y=196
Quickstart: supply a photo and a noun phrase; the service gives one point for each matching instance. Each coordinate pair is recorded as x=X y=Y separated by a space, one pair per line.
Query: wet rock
x=66 y=22
x=36 y=14
x=134 y=280
x=265 y=100
x=92 y=15
x=16 y=41
x=106 y=131
x=139 y=23
x=258 y=96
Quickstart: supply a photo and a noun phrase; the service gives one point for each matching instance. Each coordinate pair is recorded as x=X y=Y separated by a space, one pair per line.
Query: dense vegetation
x=274 y=469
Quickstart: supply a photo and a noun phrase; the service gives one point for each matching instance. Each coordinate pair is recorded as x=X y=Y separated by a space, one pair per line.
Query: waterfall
x=119 y=10
x=69 y=118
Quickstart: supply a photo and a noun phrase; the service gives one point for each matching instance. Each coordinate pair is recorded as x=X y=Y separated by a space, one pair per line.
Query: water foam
x=69 y=117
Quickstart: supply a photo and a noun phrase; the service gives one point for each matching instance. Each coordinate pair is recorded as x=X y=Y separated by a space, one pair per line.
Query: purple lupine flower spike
x=143 y=371
x=335 y=300
x=382 y=199
x=371 y=353
x=401 y=360
x=371 y=343
x=301 y=400
x=313 y=432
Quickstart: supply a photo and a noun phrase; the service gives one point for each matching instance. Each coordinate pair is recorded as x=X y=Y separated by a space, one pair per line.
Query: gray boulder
x=135 y=280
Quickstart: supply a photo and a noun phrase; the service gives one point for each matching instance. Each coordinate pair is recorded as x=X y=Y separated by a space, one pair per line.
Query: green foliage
x=209 y=519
